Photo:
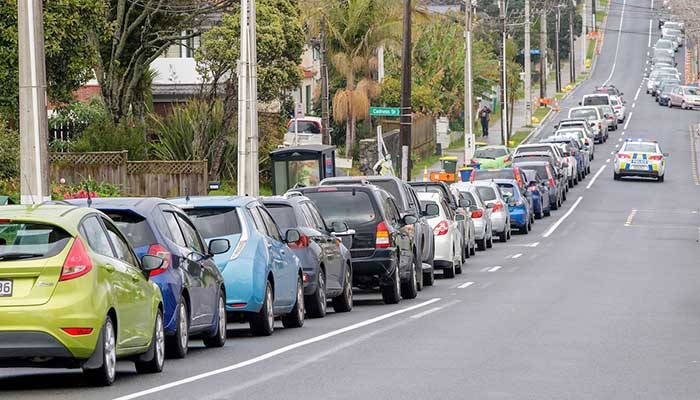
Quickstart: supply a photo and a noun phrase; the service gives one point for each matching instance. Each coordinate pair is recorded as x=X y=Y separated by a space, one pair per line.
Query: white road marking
x=565 y=216
x=485 y=269
x=275 y=353
x=597 y=174
x=619 y=140
x=426 y=312
x=612 y=152
x=617 y=47
x=634 y=105
x=517 y=255
x=623 y=133
x=535 y=244
x=465 y=285
x=629 y=118
x=636 y=96
x=649 y=44
x=617 y=145
x=607 y=161
x=496 y=268
x=630 y=218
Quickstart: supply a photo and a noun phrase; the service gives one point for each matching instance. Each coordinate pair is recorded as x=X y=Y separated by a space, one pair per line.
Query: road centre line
x=629 y=118
x=630 y=218
x=485 y=269
x=636 y=96
x=277 y=352
x=496 y=268
x=465 y=285
x=597 y=174
x=617 y=47
x=607 y=161
x=649 y=44
x=426 y=312
x=619 y=140
x=534 y=244
x=517 y=255
x=634 y=105
x=568 y=213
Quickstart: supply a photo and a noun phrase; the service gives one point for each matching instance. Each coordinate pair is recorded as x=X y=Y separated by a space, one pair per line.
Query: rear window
x=540 y=169
x=596 y=100
x=583 y=113
x=304 y=127
x=431 y=189
x=389 y=185
x=489 y=153
x=507 y=189
x=486 y=193
x=534 y=149
x=215 y=222
x=26 y=240
x=641 y=147
x=468 y=196
x=352 y=207
x=134 y=227
x=283 y=215
x=482 y=175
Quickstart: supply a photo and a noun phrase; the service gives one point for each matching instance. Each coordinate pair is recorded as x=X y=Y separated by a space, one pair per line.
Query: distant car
x=610 y=89
x=489 y=157
x=262 y=276
x=610 y=115
x=595 y=119
x=383 y=254
x=665 y=46
x=639 y=157
x=655 y=79
x=685 y=97
x=587 y=144
x=449 y=254
x=192 y=286
x=513 y=173
x=519 y=207
x=580 y=123
x=618 y=106
x=480 y=213
x=597 y=99
x=490 y=194
x=540 y=194
x=326 y=262
x=556 y=157
x=574 y=157
x=73 y=294
x=547 y=176
x=665 y=90
x=303 y=130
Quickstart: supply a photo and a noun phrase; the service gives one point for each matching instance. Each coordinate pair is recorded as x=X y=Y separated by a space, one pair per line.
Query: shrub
x=9 y=152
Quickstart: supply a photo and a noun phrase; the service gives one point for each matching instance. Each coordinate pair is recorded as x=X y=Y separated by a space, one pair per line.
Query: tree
x=68 y=56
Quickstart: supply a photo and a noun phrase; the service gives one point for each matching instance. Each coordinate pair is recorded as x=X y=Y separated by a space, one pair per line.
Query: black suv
x=407 y=202
x=382 y=249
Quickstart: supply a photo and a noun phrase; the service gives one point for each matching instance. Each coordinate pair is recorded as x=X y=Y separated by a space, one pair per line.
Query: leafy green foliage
x=9 y=152
x=106 y=135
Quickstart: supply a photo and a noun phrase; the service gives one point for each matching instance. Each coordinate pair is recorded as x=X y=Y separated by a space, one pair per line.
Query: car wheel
x=548 y=213
x=563 y=197
x=344 y=302
x=683 y=106
x=262 y=323
x=218 y=339
x=616 y=176
x=489 y=243
x=316 y=302
x=467 y=252
x=472 y=250
x=481 y=244
x=524 y=230
x=669 y=104
x=157 y=348
x=429 y=278
x=419 y=271
x=391 y=294
x=107 y=372
x=409 y=289
x=295 y=318
x=503 y=236
x=449 y=272
x=509 y=232
x=177 y=344
x=661 y=178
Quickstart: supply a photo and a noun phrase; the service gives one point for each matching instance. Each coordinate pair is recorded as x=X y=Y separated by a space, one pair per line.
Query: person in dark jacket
x=484 y=113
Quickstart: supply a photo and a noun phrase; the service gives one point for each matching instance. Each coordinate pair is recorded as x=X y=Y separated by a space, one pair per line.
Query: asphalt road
x=600 y=301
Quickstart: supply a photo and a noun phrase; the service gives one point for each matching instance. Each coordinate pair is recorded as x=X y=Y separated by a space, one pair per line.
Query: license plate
x=637 y=166
x=5 y=288
x=639 y=162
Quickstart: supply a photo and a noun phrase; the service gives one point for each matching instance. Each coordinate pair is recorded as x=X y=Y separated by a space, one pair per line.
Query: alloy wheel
x=160 y=340
x=268 y=306
x=184 y=333
x=222 y=318
x=109 y=348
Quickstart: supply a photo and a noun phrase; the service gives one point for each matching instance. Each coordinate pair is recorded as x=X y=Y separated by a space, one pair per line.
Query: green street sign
x=384 y=111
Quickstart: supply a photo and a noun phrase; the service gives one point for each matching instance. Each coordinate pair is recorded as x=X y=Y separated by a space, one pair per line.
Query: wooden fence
x=136 y=178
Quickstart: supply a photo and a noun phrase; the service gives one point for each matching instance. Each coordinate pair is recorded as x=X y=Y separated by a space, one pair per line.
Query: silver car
x=490 y=194
x=480 y=213
x=685 y=97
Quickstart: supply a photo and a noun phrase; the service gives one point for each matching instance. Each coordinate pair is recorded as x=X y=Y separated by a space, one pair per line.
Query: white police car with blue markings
x=640 y=157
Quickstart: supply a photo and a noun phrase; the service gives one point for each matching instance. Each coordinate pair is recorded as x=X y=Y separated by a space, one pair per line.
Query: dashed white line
x=619 y=140
x=636 y=96
x=630 y=218
x=629 y=118
x=564 y=217
x=277 y=352
x=496 y=268
x=426 y=312
x=607 y=161
x=649 y=44
x=517 y=255
x=597 y=174
x=465 y=285
x=535 y=244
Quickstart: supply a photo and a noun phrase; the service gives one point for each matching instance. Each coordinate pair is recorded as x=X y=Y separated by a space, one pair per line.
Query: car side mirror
x=460 y=217
x=409 y=219
x=432 y=210
x=465 y=203
x=219 y=246
x=292 y=236
x=339 y=227
x=150 y=262
x=666 y=154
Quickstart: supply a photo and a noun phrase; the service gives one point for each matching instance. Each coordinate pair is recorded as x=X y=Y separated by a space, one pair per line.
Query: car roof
x=142 y=205
x=212 y=201
x=525 y=164
x=67 y=216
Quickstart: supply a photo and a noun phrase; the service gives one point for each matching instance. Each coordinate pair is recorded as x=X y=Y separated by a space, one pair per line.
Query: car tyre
x=218 y=339
x=107 y=372
x=481 y=244
x=156 y=363
x=262 y=323
x=429 y=278
x=409 y=289
x=295 y=318
x=503 y=236
x=176 y=345
x=616 y=176
x=661 y=178
x=344 y=302
x=316 y=303
x=489 y=243
x=391 y=294
x=449 y=272
x=683 y=105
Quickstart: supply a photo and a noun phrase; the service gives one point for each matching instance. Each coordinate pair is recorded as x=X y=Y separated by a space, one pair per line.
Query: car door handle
x=109 y=268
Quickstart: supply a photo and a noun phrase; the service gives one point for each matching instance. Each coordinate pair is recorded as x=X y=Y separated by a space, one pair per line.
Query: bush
x=9 y=152
x=105 y=135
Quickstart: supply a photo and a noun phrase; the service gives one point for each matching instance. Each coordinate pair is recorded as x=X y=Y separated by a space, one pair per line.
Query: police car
x=639 y=157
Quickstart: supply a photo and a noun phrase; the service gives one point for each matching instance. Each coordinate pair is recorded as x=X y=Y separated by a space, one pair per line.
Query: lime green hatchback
x=491 y=157
x=74 y=295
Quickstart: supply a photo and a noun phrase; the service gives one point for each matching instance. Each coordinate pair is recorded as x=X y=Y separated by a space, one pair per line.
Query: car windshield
x=352 y=207
x=486 y=193
x=284 y=215
x=641 y=147
x=493 y=152
x=304 y=127
x=215 y=222
x=134 y=227
x=388 y=185
x=481 y=175
x=27 y=240
x=586 y=113
x=595 y=100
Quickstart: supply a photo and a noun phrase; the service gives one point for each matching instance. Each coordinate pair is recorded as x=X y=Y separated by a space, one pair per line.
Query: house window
x=316 y=53
x=308 y=99
x=188 y=46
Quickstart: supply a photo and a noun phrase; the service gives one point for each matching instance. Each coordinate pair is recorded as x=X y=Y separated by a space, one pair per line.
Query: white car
x=639 y=157
x=597 y=99
x=448 y=239
x=665 y=46
x=598 y=123
x=303 y=130
x=619 y=106
x=480 y=213
x=490 y=194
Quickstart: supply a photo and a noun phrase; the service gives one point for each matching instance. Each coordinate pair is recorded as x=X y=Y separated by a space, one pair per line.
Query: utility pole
x=572 y=49
x=242 y=102
x=528 y=66
x=325 y=115
x=584 y=37
x=406 y=112
x=33 y=126
x=557 y=59
x=543 y=51
x=253 y=180
x=594 y=26
x=469 y=140
x=248 y=164
x=504 y=74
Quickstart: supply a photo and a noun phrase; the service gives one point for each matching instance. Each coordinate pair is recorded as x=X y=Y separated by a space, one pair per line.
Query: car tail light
x=472 y=161
x=507 y=159
x=497 y=206
x=621 y=155
x=478 y=213
x=77 y=263
x=382 y=240
x=656 y=158
x=302 y=243
x=77 y=331
x=441 y=228
x=160 y=251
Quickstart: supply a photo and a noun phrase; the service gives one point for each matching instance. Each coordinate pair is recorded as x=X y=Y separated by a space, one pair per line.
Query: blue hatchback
x=519 y=206
x=191 y=285
x=263 y=277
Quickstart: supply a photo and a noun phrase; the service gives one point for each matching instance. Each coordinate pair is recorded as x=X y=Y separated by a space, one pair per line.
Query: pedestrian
x=484 y=114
